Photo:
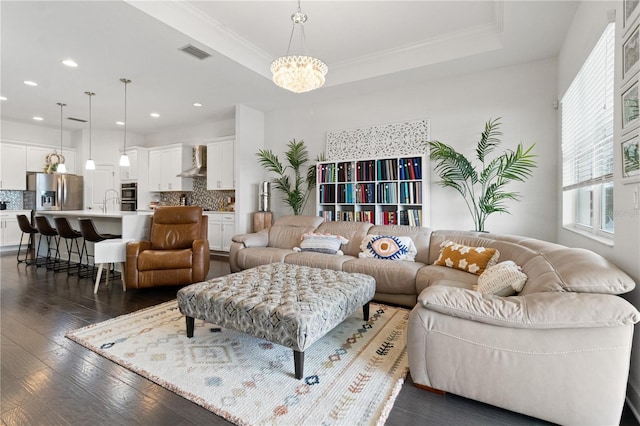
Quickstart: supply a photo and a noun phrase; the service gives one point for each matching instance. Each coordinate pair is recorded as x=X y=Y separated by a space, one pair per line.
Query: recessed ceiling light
x=154 y=115
x=38 y=118
x=30 y=83
x=197 y=104
x=120 y=123
x=3 y=98
x=70 y=63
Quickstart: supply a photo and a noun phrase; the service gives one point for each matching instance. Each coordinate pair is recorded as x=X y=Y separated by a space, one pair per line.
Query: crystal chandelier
x=298 y=73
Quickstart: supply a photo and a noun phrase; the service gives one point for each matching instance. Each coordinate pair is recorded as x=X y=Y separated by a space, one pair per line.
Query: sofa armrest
x=544 y=310
x=256 y=239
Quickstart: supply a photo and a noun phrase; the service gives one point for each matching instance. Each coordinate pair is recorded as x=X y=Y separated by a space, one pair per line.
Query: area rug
x=351 y=376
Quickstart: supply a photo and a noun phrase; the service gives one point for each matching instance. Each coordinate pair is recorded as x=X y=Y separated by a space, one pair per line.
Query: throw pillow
x=389 y=247
x=469 y=259
x=503 y=279
x=322 y=243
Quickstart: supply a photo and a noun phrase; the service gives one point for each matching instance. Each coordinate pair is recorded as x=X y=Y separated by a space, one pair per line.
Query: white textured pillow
x=322 y=243
x=503 y=279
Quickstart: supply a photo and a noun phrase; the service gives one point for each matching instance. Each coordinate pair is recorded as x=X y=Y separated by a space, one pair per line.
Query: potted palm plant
x=484 y=191
x=297 y=188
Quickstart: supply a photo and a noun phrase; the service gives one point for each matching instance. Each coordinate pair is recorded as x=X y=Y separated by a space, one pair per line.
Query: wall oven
x=129 y=197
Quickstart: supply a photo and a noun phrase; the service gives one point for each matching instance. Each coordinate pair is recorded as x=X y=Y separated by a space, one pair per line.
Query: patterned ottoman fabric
x=286 y=304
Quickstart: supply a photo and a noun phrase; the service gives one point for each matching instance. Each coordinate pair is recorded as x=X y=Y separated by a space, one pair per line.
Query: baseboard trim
x=633 y=400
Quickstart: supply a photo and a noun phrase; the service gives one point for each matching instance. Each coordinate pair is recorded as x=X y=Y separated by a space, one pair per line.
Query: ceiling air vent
x=194 y=51
x=77 y=119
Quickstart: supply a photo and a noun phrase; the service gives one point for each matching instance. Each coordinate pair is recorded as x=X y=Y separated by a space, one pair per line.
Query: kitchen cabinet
x=165 y=164
x=222 y=226
x=138 y=165
x=13 y=167
x=220 y=165
x=10 y=232
x=37 y=157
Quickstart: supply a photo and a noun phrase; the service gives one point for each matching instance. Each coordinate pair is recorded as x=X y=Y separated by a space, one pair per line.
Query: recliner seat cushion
x=150 y=260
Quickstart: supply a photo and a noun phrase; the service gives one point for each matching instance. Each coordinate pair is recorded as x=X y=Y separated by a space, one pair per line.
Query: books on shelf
x=380 y=191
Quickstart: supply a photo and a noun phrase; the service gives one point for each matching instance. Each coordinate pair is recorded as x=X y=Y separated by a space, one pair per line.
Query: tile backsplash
x=13 y=199
x=200 y=196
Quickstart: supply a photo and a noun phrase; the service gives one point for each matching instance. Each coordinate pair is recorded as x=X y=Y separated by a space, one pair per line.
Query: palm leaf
x=270 y=161
x=517 y=165
x=489 y=139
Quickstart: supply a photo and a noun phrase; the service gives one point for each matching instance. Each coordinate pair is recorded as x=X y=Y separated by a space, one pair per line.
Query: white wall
x=588 y=24
x=457 y=108
x=191 y=135
x=33 y=133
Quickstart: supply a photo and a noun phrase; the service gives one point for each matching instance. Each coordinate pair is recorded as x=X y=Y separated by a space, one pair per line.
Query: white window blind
x=587 y=143
x=587 y=119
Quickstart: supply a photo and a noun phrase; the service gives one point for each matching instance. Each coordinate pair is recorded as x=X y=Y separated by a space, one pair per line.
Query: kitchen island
x=131 y=225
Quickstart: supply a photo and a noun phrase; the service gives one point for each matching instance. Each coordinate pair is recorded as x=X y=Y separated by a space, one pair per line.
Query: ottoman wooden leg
x=365 y=311
x=298 y=360
x=190 y=326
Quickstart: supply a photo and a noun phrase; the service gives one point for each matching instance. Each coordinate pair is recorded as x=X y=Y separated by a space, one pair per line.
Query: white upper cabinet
x=37 y=157
x=138 y=164
x=220 y=169
x=13 y=167
x=166 y=163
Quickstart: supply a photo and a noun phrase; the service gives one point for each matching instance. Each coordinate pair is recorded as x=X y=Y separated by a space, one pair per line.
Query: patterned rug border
x=194 y=398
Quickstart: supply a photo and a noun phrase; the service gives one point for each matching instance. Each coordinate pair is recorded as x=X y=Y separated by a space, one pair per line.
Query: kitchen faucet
x=104 y=201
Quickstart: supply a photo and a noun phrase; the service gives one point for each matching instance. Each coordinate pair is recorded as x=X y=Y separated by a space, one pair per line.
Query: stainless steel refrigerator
x=57 y=191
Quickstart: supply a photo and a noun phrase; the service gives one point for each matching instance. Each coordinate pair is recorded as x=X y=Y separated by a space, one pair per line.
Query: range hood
x=199 y=163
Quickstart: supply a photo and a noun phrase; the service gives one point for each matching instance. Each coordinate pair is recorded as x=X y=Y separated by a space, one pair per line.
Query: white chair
x=108 y=252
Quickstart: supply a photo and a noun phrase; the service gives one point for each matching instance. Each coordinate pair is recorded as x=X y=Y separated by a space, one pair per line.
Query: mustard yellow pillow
x=469 y=259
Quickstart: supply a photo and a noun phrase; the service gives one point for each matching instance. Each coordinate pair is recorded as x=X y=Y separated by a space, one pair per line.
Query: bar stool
x=70 y=236
x=91 y=234
x=50 y=233
x=27 y=228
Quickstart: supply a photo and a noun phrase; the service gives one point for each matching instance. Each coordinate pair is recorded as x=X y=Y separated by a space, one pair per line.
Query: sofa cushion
x=352 y=231
x=503 y=279
x=466 y=258
x=391 y=277
x=317 y=260
x=256 y=256
x=388 y=247
x=584 y=271
x=287 y=231
x=441 y=275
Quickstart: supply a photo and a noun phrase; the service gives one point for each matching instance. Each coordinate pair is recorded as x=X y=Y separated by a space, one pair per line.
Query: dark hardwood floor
x=47 y=379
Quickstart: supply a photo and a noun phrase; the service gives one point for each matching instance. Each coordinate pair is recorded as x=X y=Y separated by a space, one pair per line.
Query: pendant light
x=124 y=158
x=61 y=167
x=91 y=165
x=299 y=73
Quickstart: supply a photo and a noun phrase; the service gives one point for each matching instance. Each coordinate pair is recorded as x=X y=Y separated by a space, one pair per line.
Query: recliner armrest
x=256 y=239
x=200 y=255
x=544 y=310
x=133 y=249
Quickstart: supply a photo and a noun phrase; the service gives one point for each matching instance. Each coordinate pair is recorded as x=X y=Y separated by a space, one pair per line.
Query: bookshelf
x=381 y=191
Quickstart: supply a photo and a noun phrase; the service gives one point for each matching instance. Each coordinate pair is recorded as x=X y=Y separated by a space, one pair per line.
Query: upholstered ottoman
x=285 y=304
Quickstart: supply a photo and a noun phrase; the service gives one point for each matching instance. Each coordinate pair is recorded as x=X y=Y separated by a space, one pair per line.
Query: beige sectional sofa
x=558 y=350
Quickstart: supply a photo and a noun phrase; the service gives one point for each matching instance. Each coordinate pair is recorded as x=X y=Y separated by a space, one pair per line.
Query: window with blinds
x=587 y=141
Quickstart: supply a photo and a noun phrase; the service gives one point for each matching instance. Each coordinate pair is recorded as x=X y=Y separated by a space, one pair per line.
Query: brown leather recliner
x=177 y=253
